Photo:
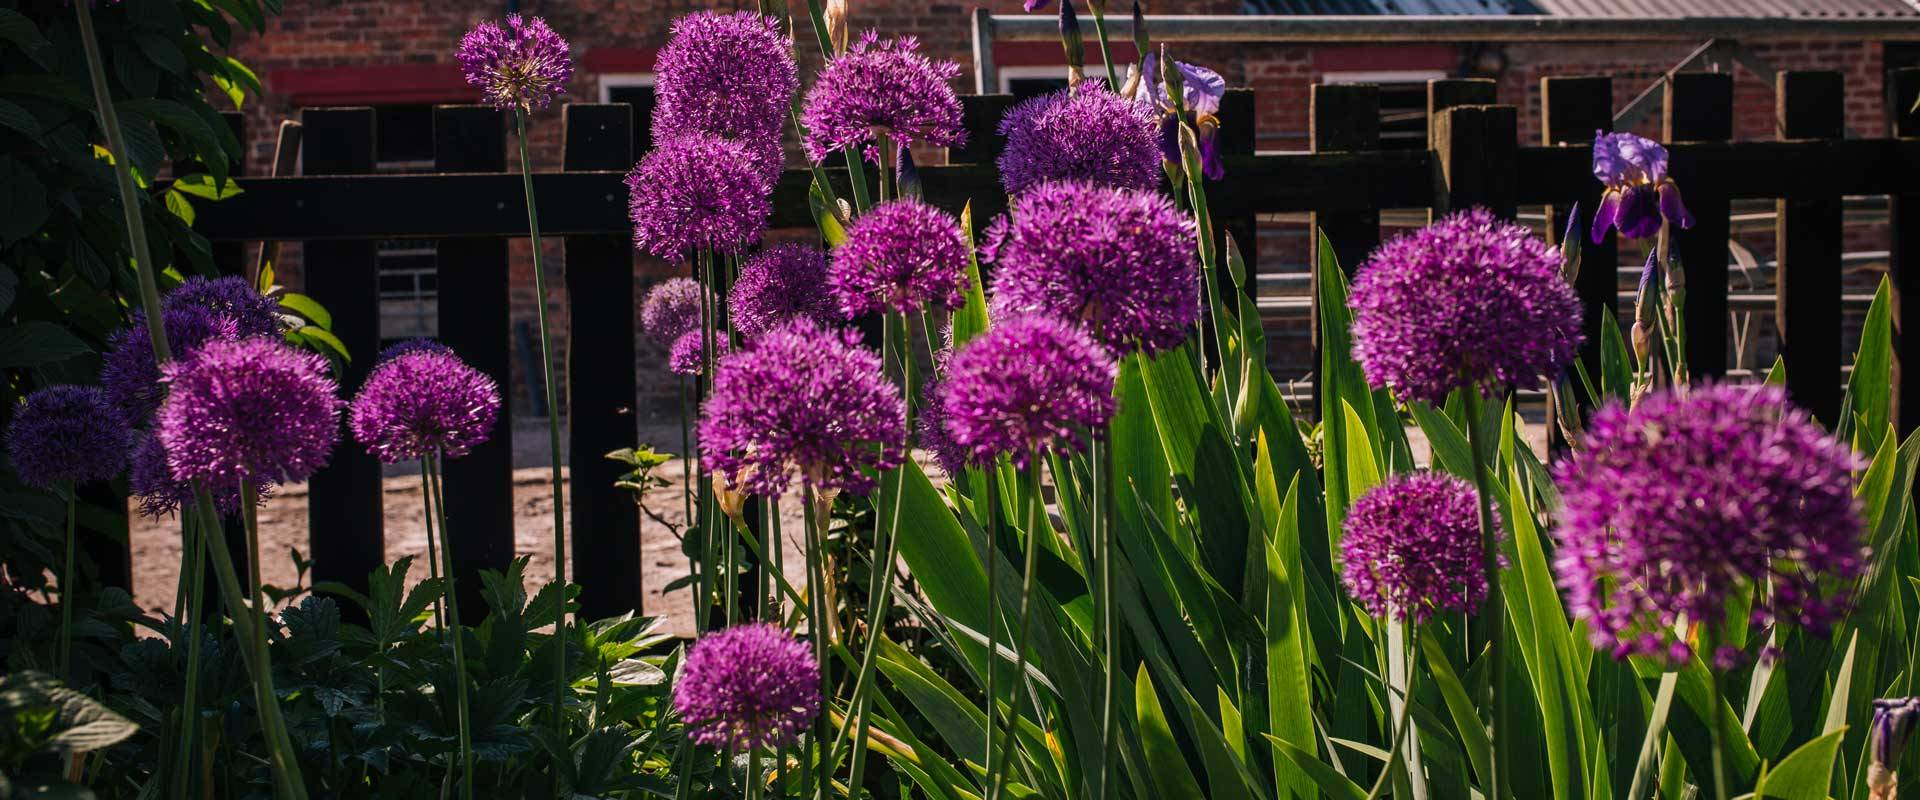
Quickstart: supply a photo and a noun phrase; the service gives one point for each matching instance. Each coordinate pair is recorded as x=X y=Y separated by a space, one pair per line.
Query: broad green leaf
x=1289 y=692
x=971 y=319
x=1362 y=470
x=308 y=307
x=1335 y=785
x=1806 y=773
x=940 y=556
x=1460 y=706
x=203 y=186
x=1167 y=764
x=1869 y=388
x=1616 y=361
x=37 y=343
x=1777 y=374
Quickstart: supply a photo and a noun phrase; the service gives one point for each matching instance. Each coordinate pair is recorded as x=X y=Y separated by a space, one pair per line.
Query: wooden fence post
x=1475 y=148
x=1342 y=118
x=601 y=388
x=344 y=515
x=1810 y=105
x=1903 y=87
x=1235 y=138
x=473 y=308
x=1699 y=108
x=1573 y=110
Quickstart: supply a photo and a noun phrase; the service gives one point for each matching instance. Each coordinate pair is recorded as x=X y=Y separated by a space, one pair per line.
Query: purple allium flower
x=410 y=346
x=725 y=74
x=253 y=313
x=900 y=256
x=1088 y=133
x=780 y=284
x=1120 y=262
x=746 y=687
x=1893 y=724
x=1639 y=194
x=1674 y=506
x=160 y=494
x=66 y=434
x=252 y=409
x=671 y=309
x=130 y=375
x=424 y=402
x=1469 y=302
x=1411 y=547
x=806 y=400
x=931 y=434
x=521 y=65
x=1035 y=5
x=1027 y=384
x=887 y=86
x=698 y=191
x=689 y=353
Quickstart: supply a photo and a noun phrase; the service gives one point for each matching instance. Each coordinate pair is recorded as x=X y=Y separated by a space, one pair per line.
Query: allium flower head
x=410 y=346
x=1639 y=194
x=253 y=313
x=778 y=285
x=66 y=434
x=522 y=64
x=421 y=403
x=129 y=373
x=1028 y=384
x=672 y=308
x=1676 y=505
x=1119 y=262
x=1087 y=133
x=747 y=686
x=689 y=353
x=730 y=74
x=161 y=494
x=252 y=409
x=697 y=191
x=900 y=256
x=1469 y=302
x=887 y=86
x=1411 y=547
x=804 y=400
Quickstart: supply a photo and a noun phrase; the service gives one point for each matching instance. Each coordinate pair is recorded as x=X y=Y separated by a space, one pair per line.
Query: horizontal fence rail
x=1391 y=28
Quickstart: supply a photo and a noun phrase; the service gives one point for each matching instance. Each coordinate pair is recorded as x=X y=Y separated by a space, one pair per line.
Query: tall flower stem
x=67 y=593
x=1709 y=645
x=123 y=176
x=196 y=564
x=1400 y=728
x=1493 y=615
x=433 y=552
x=1037 y=525
x=1098 y=455
x=553 y=437
x=818 y=778
x=437 y=488
x=1099 y=8
x=989 y=557
x=250 y=626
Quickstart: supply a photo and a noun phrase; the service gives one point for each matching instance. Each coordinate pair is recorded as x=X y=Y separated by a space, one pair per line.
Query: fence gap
x=345 y=521
x=1810 y=105
x=1235 y=141
x=1903 y=122
x=473 y=296
x=601 y=387
x=980 y=115
x=1699 y=108
x=1573 y=111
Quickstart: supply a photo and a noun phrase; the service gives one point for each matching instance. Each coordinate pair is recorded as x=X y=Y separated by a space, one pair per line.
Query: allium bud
x=836 y=17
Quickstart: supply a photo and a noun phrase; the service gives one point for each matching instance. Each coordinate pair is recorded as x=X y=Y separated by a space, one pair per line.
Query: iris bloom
x=1639 y=194
x=1893 y=724
x=1200 y=93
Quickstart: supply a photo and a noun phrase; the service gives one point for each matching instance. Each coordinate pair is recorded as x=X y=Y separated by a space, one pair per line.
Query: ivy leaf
x=35 y=343
x=15 y=27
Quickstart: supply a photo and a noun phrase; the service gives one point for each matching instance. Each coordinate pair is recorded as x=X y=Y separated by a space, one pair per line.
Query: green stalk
x=553 y=437
x=123 y=176
x=1097 y=458
x=67 y=594
x=1494 y=613
x=1400 y=728
x=437 y=487
x=1037 y=525
x=250 y=628
x=814 y=780
x=1709 y=643
x=990 y=558
x=1643 y=770
x=1113 y=79
x=196 y=565
x=433 y=554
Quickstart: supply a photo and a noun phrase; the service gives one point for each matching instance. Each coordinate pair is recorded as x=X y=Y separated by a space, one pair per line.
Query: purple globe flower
x=410 y=346
x=697 y=191
x=900 y=256
x=522 y=65
x=1687 y=499
x=253 y=314
x=886 y=86
x=689 y=353
x=671 y=309
x=1469 y=302
x=805 y=400
x=160 y=494
x=424 y=402
x=778 y=285
x=931 y=434
x=1120 y=262
x=1088 y=133
x=726 y=74
x=66 y=434
x=248 y=410
x=1411 y=547
x=1639 y=194
x=1028 y=384
x=130 y=375
x=748 y=686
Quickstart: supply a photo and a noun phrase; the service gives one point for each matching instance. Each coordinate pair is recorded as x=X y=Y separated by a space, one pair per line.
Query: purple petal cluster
x=1686 y=500
x=1088 y=134
x=689 y=353
x=66 y=434
x=748 y=686
x=900 y=256
x=129 y=373
x=882 y=85
x=1411 y=547
x=804 y=400
x=778 y=285
x=410 y=346
x=248 y=410
x=1120 y=262
x=161 y=494
x=522 y=64
x=729 y=74
x=672 y=308
x=253 y=313
x=698 y=191
x=1028 y=384
x=1469 y=302
x=424 y=402
x=1639 y=195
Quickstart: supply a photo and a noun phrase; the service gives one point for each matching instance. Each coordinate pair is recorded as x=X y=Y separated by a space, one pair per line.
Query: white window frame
x=1007 y=75
x=622 y=80
x=1382 y=76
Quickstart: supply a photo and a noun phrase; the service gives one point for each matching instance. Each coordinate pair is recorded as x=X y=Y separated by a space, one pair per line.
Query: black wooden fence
x=471 y=206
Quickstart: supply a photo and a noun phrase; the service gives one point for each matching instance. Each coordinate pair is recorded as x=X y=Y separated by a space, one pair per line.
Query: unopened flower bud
x=835 y=13
x=1072 y=42
x=1140 y=44
x=732 y=502
x=1893 y=723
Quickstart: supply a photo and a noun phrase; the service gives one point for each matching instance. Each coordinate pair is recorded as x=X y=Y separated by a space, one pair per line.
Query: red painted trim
x=1376 y=58
x=618 y=59
x=372 y=85
x=1049 y=54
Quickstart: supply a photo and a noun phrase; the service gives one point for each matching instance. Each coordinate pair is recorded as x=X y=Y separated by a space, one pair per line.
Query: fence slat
x=1903 y=122
x=600 y=379
x=1810 y=105
x=1699 y=108
x=1572 y=111
x=1445 y=93
x=1474 y=150
x=473 y=298
x=344 y=516
x=1234 y=141
x=1342 y=118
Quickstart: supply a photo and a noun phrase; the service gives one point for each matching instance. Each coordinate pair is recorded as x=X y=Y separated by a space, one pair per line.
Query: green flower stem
x=815 y=780
x=1100 y=33
x=67 y=593
x=1709 y=644
x=1493 y=614
x=250 y=628
x=990 y=559
x=194 y=530
x=439 y=506
x=1098 y=458
x=1400 y=728
x=123 y=176
x=553 y=438
x=433 y=554
x=1643 y=771
x=1037 y=526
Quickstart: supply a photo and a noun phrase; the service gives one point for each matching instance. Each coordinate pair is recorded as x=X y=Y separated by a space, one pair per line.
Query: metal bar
x=1464 y=28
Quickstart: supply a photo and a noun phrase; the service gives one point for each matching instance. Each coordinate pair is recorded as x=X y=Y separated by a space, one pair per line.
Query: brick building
x=396 y=55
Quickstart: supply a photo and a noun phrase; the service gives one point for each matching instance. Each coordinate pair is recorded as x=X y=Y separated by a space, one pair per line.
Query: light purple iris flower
x=1639 y=193
x=1200 y=93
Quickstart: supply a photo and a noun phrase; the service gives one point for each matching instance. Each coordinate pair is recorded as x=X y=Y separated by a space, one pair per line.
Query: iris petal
x=1606 y=214
x=1671 y=206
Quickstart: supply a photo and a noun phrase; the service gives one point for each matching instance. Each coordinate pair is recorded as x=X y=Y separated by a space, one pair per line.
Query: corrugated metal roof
x=1793 y=9
x=1374 y=7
